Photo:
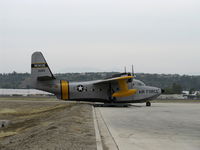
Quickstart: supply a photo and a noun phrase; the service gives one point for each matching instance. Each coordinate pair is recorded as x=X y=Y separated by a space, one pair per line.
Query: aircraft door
x=110 y=92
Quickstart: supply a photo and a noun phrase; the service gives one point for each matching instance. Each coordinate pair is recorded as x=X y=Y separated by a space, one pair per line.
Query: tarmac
x=163 y=126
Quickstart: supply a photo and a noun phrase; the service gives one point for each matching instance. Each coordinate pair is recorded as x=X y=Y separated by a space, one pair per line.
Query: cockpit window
x=138 y=83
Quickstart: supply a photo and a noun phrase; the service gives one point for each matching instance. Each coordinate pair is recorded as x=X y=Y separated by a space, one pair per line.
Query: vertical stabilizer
x=39 y=68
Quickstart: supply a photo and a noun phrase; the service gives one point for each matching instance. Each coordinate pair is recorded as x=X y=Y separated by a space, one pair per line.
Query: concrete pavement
x=163 y=126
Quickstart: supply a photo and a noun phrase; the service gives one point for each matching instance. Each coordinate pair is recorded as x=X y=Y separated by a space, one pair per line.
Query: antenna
x=133 y=74
x=125 y=69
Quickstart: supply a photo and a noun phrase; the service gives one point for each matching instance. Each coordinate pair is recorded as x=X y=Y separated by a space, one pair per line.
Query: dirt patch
x=47 y=125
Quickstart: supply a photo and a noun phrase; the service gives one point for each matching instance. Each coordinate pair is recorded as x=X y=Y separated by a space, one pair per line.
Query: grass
x=5 y=134
x=27 y=118
x=7 y=111
x=29 y=112
x=29 y=98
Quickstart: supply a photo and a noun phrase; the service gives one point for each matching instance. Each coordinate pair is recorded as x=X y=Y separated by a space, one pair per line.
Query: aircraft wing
x=113 y=79
x=123 y=86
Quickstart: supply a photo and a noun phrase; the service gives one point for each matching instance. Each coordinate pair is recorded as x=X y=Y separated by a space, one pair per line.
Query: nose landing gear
x=148 y=104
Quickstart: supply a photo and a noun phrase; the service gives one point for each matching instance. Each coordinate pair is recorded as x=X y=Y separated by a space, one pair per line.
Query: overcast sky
x=156 y=36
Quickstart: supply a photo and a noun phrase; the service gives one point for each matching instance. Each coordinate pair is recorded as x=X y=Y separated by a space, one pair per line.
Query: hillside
x=169 y=82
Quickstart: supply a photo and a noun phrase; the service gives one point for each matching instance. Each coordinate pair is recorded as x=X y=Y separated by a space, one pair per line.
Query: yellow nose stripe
x=64 y=90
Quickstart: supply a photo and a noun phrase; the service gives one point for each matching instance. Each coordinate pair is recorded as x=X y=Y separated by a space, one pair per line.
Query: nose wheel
x=148 y=104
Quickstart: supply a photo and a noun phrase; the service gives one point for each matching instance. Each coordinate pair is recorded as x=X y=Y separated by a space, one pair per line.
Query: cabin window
x=140 y=84
x=141 y=91
x=151 y=91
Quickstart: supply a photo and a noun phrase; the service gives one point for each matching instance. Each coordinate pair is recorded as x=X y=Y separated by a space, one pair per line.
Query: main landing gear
x=148 y=104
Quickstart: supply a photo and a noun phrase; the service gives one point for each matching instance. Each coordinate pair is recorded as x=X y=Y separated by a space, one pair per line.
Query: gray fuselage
x=88 y=91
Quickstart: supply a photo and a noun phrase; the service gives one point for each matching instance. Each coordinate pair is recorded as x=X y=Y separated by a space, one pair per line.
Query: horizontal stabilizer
x=45 y=78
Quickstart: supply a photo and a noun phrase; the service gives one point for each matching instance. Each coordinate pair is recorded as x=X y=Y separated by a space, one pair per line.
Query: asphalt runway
x=163 y=126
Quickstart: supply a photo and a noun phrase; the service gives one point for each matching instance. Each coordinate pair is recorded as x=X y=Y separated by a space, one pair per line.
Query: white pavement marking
x=97 y=134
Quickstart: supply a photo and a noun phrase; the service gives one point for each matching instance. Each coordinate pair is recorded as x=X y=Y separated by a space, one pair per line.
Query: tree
x=176 y=88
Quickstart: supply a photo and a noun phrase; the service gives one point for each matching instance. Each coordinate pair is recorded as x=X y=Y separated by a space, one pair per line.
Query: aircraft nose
x=162 y=91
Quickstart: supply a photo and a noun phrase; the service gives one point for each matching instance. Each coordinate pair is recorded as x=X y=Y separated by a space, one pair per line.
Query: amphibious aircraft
x=120 y=88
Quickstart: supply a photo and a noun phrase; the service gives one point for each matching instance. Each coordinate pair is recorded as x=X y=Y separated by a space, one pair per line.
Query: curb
x=97 y=133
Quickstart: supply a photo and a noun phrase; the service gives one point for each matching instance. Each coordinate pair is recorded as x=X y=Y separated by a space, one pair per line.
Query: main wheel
x=148 y=104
